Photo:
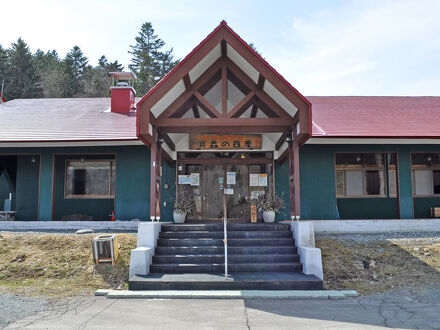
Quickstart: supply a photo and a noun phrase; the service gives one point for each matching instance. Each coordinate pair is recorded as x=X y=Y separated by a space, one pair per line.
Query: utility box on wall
x=105 y=248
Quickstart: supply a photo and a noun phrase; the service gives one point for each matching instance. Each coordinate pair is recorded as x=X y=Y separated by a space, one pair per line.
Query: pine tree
x=149 y=63
x=74 y=65
x=22 y=79
x=105 y=65
x=3 y=65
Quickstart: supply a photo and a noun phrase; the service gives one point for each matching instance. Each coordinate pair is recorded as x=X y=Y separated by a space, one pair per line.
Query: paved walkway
x=403 y=309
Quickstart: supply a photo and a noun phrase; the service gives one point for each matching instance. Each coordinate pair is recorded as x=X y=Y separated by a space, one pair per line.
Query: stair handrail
x=225 y=234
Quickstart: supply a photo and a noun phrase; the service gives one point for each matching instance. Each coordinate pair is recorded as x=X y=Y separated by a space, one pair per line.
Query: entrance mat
x=227 y=294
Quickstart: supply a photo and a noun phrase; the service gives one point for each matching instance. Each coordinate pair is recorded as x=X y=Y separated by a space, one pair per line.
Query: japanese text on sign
x=225 y=141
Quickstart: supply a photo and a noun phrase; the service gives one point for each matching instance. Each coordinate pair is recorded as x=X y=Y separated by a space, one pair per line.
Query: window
x=364 y=174
x=90 y=179
x=426 y=173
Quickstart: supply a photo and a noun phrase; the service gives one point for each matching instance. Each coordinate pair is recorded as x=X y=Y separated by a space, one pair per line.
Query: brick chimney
x=122 y=92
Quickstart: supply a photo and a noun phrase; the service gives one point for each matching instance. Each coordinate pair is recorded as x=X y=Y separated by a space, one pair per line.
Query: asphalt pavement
x=406 y=309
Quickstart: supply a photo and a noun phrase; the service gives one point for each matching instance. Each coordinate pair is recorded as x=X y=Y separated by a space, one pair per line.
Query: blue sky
x=322 y=47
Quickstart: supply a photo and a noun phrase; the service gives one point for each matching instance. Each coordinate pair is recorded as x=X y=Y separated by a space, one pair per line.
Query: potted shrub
x=270 y=204
x=183 y=205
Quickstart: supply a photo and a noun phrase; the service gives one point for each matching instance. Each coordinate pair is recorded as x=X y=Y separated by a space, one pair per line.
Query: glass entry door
x=213 y=177
x=242 y=181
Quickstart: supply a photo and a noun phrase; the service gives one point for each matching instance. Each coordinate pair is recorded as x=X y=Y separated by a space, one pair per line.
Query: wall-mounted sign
x=262 y=180
x=254 y=180
x=225 y=141
x=195 y=179
x=184 y=179
x=230 y=177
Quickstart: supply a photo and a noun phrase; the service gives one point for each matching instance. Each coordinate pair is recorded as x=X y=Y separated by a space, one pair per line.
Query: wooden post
x=296 y=178
x=294 y=187
x=291 y=179
x=155 y=177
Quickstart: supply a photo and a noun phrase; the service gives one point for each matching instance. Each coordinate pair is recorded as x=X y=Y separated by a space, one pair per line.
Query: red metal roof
x=75 y=119
x=375 y=116
x=89 y=119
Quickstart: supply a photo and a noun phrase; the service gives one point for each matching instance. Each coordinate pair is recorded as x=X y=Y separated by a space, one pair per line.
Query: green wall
x=318 y=199
x=45 y=207
x=282 y=188
x=318 y=196
x=368 y=208
x=98 y=208
x=26 y=198
x=133 y=183
x=168 y=195
x=317 y=181
x=422 y=206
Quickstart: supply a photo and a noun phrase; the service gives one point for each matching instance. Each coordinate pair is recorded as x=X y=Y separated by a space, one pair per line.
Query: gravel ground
x=366 y=238
x=15 y=307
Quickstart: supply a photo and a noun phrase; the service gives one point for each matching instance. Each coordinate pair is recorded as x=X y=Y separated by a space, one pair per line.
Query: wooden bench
x=7 y=215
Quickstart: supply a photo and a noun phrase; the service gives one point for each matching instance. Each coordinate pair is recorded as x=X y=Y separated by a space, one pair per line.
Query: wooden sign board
x=253 y=213
x=225 y=141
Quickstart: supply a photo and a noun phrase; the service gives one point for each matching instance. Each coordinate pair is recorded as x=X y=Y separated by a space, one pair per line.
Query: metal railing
x=225 y=234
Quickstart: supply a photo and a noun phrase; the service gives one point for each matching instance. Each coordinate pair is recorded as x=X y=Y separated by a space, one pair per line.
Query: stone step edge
x=226 y=294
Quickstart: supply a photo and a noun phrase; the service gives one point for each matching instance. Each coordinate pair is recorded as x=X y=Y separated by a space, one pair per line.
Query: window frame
x=364 y=169
x=112 y=164
x=431 y=167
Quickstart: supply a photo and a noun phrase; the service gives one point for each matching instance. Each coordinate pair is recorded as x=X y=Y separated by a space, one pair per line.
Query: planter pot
x=269 y=216
x=179 y=217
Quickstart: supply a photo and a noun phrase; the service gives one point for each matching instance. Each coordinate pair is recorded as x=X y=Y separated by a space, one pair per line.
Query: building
x=222 y=119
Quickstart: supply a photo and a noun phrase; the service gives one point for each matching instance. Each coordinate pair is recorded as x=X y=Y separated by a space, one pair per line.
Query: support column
x=46 y=185
x=155 y=176
x=295 y=204
x=296 y=177
x=405 y=186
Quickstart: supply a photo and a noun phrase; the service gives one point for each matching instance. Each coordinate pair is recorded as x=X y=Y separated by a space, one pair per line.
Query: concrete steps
x=219 y=242
x=219 y=234
x=238 y=281
x=191 y=257
x=220 y=258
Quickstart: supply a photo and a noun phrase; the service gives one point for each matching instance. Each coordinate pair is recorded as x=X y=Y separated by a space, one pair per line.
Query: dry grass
x=395 y=264
x=61 y=265
x=58 y=265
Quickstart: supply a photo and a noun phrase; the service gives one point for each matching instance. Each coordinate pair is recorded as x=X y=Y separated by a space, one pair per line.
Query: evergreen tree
x=3 y=65
x=105 y=65
x=51 y=71
x=73 y=66
x=46 y=61
x=23 y=80
x=149 y=63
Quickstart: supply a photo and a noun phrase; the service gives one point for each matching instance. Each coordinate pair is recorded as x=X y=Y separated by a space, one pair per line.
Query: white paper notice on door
x=184 y=179
x=195 y=179
x=229 y=191
x=230 y=177
x=253 y=180
x=262 y=180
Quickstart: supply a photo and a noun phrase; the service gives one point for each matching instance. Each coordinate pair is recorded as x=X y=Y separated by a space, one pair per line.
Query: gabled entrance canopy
x=222 y=86
x=183 y=101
